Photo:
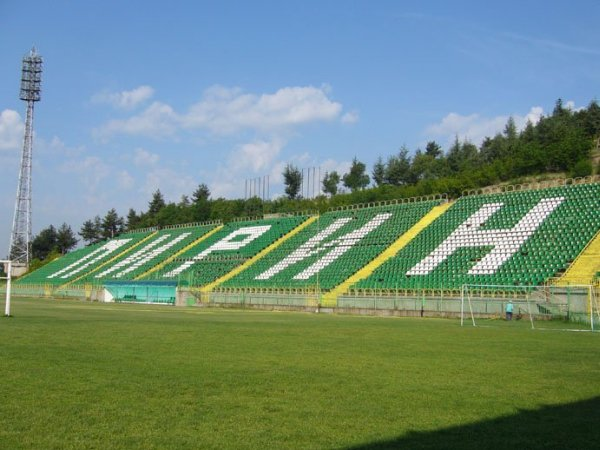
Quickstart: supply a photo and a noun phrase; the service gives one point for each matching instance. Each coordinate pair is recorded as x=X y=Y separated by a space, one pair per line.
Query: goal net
x=573 y=307
x=7 y=268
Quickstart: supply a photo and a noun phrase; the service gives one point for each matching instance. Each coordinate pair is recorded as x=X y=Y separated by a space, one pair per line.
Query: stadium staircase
x=585 y=268
x=330 y=298
x=209 y=287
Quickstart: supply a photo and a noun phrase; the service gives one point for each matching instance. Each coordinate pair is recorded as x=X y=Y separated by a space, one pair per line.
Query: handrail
x=398 y=201
x=192 y=224
x=534 y=185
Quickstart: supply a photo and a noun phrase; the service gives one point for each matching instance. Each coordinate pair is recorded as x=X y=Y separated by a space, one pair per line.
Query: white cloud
x=256 y=156
x=57 y=147
x=570 y=104
x=475 y=128
x=158 y=120
x=329 y=165
x=125 y=99
x=172 y=183
x=91 y=170
x=125 y=181
x=350 y=117
x=143 y=157
x=11 y=130
x=226 y=111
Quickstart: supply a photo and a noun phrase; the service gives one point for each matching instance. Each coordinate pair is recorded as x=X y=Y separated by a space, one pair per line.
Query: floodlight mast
x=20 y=242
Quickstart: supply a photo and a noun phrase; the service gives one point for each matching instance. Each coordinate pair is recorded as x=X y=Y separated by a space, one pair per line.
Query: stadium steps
x=209 y=287
x=329 y=299
x=110 y=261
x=585 y=266
x=180 y=252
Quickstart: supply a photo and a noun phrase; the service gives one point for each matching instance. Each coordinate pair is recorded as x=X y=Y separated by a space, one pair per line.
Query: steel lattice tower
x=20 y=242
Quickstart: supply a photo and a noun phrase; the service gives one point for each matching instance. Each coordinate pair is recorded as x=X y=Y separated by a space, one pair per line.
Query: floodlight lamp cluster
x=31 y=77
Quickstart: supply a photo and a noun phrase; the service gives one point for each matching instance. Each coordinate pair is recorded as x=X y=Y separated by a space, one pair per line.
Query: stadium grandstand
x=511 y=240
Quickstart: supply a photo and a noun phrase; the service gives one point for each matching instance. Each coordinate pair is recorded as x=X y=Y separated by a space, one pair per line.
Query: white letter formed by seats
x=142 y=256
x=505 y=242
x=90 y=258
x=229 y=242
x=311 y=247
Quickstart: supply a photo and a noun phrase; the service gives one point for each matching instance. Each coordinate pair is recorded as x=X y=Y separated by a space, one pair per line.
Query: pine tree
x=156 y=204
x=65 y=239
x=379 y=172
x=91 y=231
x=202 y=193
x=112 y=224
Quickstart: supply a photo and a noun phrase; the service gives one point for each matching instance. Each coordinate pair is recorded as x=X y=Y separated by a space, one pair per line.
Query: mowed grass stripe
x=80 y=375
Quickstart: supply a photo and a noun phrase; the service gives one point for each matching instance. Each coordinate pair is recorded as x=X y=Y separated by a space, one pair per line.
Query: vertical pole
x=529 y=310
x=591 y=308
x=319 y=183
x=462 y=304
x=471 y=310
x=7 y=307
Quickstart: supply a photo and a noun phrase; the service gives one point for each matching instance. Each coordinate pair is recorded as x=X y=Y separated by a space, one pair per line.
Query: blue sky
x=145 y=95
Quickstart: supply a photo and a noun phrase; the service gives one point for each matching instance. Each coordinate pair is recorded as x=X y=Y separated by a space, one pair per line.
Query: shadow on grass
x=570 y=426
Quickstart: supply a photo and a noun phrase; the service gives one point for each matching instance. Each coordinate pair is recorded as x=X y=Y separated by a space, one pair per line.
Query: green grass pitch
x=105 y=376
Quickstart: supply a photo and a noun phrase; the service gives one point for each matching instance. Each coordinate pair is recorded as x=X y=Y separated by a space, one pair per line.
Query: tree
x=184 y=202
x=493 y=148
x=65 y=239
x=330 y=182
x=91 y=231
x=202 y=193
x=292 y=179
x=201 y=205
x=591 y=117
x=422 y=167
x=112 y=224
x=357 y=177
x=559 y=109
x=433 y=149
x=379 y=172
x=156 y=204
x=253 y=207
x=462 y=156
x=43 y=244
x=397 y=171
x=133 y=219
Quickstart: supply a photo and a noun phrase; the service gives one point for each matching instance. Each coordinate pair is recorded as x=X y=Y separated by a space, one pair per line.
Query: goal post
x=490 y=301
x=7 y=265
x=572 y=304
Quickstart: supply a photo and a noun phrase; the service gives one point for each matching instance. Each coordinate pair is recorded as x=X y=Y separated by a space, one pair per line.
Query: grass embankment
x=81 y=375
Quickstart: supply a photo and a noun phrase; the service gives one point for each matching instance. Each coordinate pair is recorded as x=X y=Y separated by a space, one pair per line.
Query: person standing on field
x=509 y=310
